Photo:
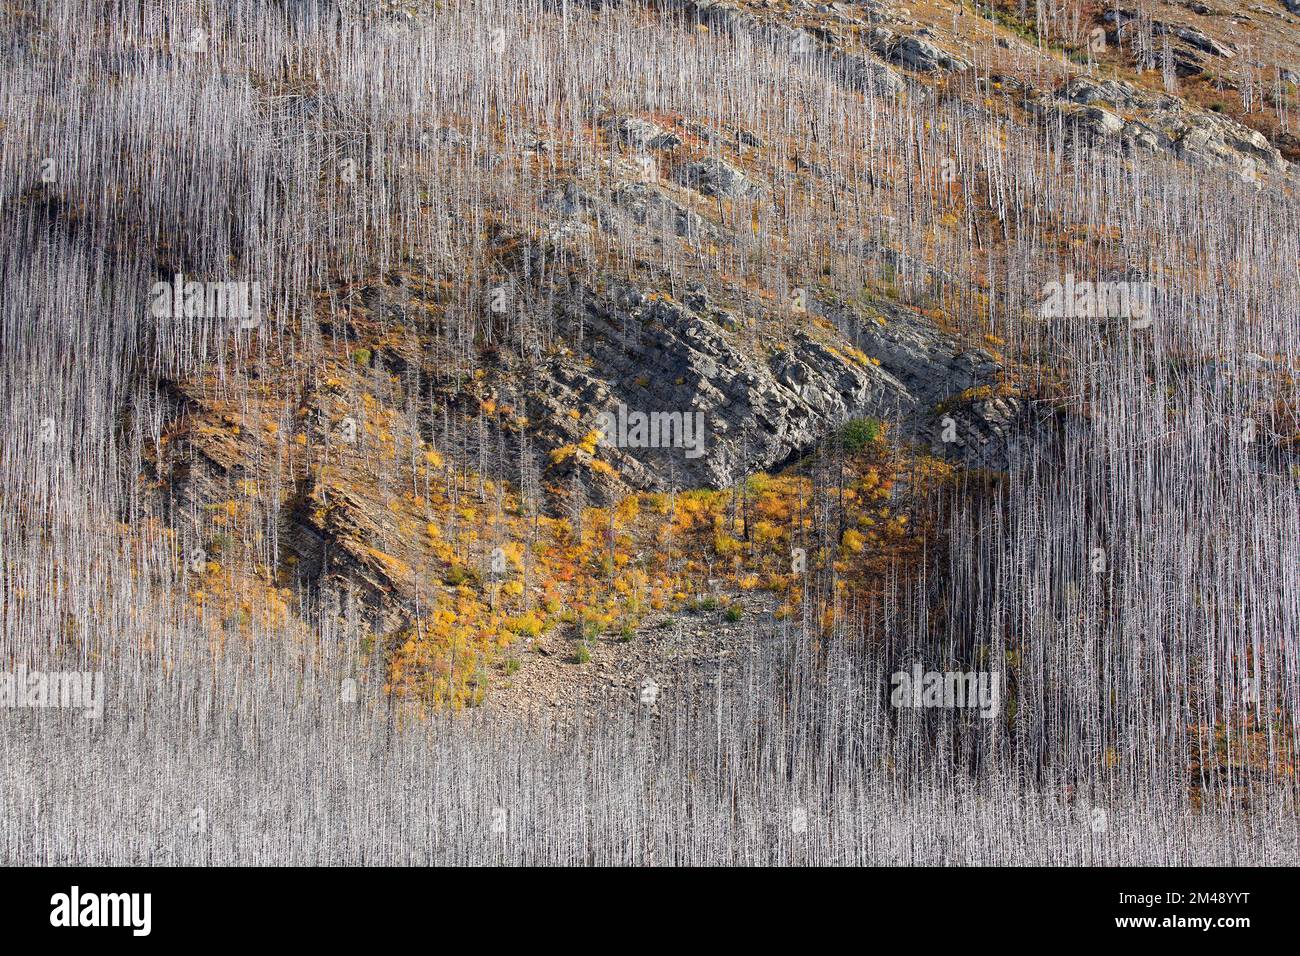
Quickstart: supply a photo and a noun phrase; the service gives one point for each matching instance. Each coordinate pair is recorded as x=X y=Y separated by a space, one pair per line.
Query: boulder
x=641 y=134
x=914 y=52
x=1195 y=38
x=716 y=177
x=1095 y=121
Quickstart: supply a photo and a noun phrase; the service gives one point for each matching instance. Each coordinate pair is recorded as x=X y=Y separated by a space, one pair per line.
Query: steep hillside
x=512 y=358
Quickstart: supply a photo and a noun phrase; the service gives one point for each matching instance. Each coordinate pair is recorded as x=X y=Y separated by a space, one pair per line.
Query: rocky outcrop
x=757 y=394
x=943 y=395
x=641 y=134
x=327 y=449
x=1096 y=121
x=716 y=177
x=850 y=69
x=643 y=207
x=1195 y=38
x=1187 y=48
x=1166 y=125
x=914 y=52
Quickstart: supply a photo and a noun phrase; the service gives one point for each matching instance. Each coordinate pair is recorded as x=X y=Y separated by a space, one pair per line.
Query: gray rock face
x=723 y=134
x=1180 y=59
x=649 y=208
x=1169 y=126
x=1197 y=39
x=1215 y=141
x=1086 y=92
x=1140 y=136
x=656 y=358
x=914 y=53
x=641 y=134
x=864 y=73
x=1095 y=121
x=1186 y=62
x=929 y=372
x=753 y=407
x=716 y=177
x=638 y=206
x=848 y=69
